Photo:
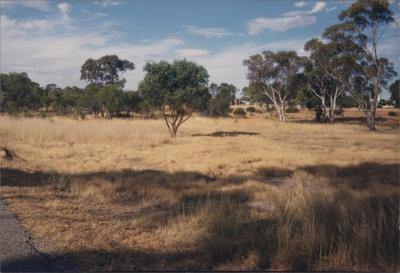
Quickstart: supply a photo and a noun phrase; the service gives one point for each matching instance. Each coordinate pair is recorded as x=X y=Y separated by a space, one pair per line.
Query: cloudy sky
x=51 y=39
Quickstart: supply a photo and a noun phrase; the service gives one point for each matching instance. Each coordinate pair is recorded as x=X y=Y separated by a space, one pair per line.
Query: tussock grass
x=122 y=195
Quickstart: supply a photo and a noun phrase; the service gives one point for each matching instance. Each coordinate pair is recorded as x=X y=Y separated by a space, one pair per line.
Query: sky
x=51 y=39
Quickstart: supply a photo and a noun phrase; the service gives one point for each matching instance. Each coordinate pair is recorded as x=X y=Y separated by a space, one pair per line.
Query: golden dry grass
x=225 y=194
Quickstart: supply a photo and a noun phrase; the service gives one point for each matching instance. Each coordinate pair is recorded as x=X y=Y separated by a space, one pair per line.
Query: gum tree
x=325 y=66
x=275 y=74
x=368 y=20
x=106 y=70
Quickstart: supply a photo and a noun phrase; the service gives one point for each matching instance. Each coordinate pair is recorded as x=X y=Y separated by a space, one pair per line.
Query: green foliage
x=19 y=93
x=394 y=91
x=347 y=102
x=132 y=101
x=106 y=70
x=177 y=89
x=221 y=99
x=364 y=23
x=254 y=94
x=111 y=98
x=392 y=114
x=251 y=109
x=239 y=112
x=278 y=75
x=292 y=110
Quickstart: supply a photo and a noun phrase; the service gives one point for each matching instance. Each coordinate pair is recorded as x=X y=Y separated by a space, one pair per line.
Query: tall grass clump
x=311 y=228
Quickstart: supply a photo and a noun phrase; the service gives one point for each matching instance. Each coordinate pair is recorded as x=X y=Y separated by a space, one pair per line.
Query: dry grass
x=225 y=194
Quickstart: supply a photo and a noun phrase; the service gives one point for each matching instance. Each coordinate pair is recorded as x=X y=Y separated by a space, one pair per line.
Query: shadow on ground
x=347 y=120
x=359 y=176
x=231 y=237
x=227 y=134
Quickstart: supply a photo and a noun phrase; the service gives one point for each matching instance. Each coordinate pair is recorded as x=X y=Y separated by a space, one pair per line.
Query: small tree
x=176 y=89
x=90 y=98
x=221 y=99
x=111 y=98
x=275 y=74
x=132 y=101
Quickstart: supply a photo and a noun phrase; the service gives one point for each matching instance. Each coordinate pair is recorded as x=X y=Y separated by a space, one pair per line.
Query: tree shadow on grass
x=231 y=240
x=348 y=120
x=358 y=176
x=227 y=134
x=229 y=236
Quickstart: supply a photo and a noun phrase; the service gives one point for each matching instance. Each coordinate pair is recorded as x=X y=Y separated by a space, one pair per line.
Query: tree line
x=343 y=69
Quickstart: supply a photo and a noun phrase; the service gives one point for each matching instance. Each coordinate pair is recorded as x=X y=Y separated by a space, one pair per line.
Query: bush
x=292 y=110
x=392 y=114
x=251 y=109
x=338 y=112
x=239 y=112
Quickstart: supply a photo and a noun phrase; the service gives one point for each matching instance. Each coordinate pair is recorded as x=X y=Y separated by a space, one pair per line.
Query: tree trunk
x=332 y=110
x=173 y=131
x=371 y=121
x=283 y=118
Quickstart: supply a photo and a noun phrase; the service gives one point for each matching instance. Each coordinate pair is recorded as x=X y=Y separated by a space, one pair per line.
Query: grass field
x=225 y=194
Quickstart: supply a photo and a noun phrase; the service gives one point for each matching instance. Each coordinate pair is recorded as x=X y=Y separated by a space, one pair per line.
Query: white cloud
x=42 y=5
x=107 y=3
x=227 y=65
x=279 y=24
x=207 y=32
x=300 y=4
x=289 y=20
x=191 y=52
x=318 y=7
x=55 y=56
x=64 y=8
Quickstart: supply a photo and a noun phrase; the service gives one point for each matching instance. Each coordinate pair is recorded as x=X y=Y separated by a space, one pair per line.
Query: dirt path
x=17 y=252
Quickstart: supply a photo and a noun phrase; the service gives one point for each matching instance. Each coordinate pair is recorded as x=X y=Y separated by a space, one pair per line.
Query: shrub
x=239 y=112
x=392 y=114
x=338 y=112
x=251 y=109
x=292 y=110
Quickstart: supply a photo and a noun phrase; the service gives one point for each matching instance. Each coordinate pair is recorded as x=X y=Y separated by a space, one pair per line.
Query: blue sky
x=51 y=39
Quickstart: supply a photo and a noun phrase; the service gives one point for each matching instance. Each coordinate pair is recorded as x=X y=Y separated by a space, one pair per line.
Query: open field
x=225 y=194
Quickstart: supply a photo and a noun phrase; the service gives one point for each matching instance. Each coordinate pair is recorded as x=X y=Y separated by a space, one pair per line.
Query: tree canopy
x=177 y=89
x=106 y=70
x=221 y=98
x=276 y=74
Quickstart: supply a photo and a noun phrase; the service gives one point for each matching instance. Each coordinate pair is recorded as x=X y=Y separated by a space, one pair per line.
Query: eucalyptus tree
x=19 y=93
x=364 y=23
x=275 y=74
x=325 y=67
x=106 y=70
x=176 y=89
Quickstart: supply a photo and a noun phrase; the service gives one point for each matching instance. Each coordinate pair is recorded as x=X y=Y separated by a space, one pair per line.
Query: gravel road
x=17 y=253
